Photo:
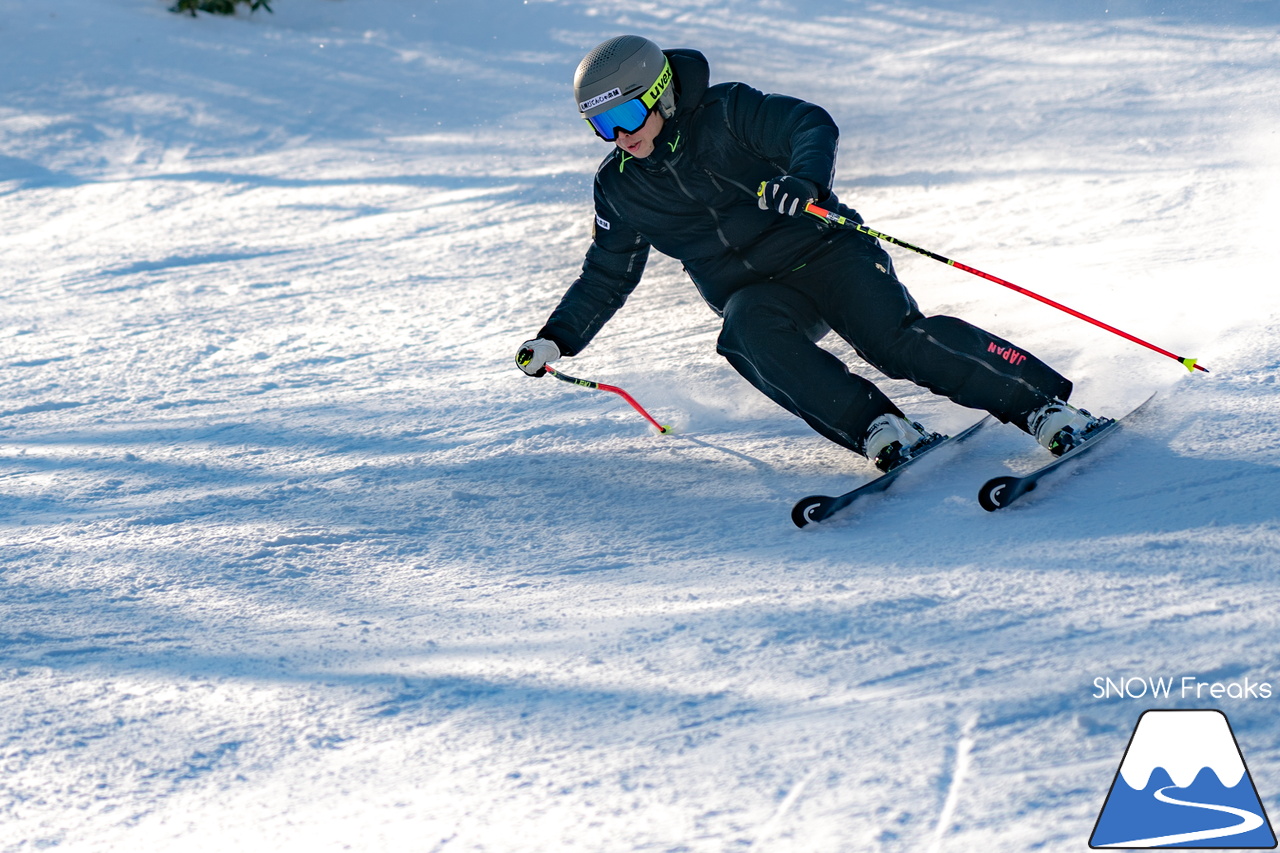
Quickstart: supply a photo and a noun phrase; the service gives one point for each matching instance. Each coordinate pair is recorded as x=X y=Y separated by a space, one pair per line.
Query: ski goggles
x=630 y=116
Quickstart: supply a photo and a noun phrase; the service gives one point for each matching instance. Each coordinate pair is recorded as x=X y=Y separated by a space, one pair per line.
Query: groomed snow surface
x=295 y=559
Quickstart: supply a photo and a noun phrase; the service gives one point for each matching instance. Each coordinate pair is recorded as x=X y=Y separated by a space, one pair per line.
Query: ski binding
x=816 y=508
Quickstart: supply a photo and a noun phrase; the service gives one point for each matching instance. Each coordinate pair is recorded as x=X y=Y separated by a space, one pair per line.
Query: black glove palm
x=787 y=194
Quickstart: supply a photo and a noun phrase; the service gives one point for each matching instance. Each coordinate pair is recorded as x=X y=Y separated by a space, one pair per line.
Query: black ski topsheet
x=817 y=508
x=999 y=492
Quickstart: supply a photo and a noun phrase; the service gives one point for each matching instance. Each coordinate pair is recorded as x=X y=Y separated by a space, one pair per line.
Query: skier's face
x=640 y=143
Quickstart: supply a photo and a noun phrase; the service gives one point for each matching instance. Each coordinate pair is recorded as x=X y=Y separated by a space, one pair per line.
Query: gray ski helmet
x=620 y=69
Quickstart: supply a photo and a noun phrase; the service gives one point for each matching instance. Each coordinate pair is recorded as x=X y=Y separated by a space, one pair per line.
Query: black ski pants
x=772 y=328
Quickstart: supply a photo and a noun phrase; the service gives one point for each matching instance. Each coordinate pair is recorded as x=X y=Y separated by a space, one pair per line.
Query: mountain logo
x=1183 y=783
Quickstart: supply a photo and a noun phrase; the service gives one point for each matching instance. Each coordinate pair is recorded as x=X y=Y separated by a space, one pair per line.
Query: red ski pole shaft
x=613 y=389
x=837 y=219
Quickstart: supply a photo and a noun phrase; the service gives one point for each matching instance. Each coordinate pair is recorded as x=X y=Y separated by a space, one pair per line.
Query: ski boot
x=1059 y=427
x=892 y=440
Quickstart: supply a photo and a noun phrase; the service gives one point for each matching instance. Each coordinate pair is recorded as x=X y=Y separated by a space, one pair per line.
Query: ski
x=999 y=492
x=817 y=508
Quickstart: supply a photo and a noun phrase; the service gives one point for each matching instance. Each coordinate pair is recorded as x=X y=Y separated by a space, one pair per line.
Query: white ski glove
x=787 y=194
x=534 y=356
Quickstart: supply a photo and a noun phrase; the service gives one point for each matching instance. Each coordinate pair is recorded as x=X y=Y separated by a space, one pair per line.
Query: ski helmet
x=620 y=82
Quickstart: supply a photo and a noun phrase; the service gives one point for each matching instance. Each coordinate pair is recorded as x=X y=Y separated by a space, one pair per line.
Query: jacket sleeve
x=612 y=269
x=795 y=134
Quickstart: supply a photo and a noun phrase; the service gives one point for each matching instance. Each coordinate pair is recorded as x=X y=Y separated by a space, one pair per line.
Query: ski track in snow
x=295 y=559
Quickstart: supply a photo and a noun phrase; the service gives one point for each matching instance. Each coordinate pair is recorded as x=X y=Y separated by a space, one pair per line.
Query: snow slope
x=295 y=559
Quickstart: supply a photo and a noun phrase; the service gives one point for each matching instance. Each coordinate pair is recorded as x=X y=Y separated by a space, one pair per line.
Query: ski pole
x=599 y=386
x=836 y=219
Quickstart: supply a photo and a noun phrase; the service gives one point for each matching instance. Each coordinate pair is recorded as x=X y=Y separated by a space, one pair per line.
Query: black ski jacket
x=695 y=199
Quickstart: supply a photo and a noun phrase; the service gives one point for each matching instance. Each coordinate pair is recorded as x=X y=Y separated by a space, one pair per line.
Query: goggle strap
x=650 y=98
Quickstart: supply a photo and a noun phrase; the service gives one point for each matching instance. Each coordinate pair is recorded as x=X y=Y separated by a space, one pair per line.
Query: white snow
x=295 y=559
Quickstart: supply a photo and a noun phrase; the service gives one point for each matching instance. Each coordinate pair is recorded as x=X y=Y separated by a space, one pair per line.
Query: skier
x=718 y=177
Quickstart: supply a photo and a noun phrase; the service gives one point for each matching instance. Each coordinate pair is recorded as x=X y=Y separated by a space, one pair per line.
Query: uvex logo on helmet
x=659 y=86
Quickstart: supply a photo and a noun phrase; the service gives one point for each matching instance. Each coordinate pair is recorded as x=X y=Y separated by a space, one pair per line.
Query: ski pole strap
x=613 y=389
x=843 y=221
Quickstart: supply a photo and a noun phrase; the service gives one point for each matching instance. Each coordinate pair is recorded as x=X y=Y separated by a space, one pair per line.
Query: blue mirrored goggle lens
x=629 y=116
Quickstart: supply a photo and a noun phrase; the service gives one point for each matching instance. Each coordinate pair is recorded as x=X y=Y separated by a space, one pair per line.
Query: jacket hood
x=692 y=76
